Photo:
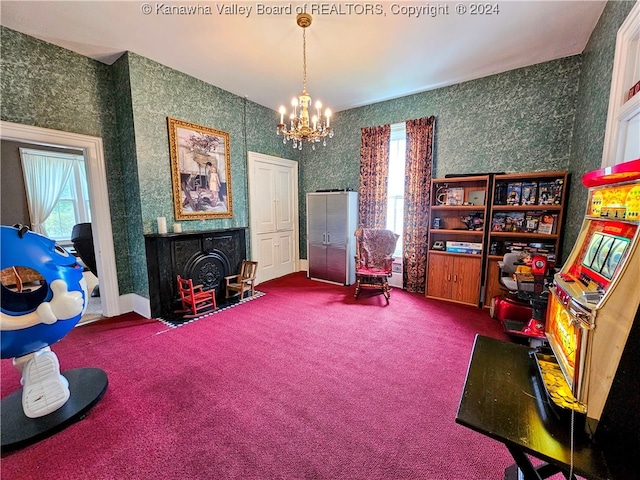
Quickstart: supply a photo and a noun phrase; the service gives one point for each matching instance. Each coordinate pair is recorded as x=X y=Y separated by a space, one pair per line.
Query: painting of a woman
x=197 y=155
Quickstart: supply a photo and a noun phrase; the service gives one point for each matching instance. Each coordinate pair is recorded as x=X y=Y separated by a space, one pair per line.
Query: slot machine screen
x=604 y=254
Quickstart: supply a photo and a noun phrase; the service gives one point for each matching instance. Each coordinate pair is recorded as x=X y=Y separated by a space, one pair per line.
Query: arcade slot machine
x=595 y=297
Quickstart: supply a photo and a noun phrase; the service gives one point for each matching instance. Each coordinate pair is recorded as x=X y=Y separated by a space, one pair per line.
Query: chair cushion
x=377 y=247
x=372 y=271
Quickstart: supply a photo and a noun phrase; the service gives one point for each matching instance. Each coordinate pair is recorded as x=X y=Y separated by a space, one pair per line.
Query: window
x=395 y=182
x=621 y=140
x=57 y=192
x=72 y=207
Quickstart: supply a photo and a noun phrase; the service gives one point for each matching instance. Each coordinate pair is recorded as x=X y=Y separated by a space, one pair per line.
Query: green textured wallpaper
x=127 y=104
x=517 y=121
x=158 y=92
x=549 y=116
x=130 y=207
x=47 y=86
x=591 y=111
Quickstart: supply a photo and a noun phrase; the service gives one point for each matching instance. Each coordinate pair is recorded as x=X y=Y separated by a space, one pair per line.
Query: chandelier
x=302 y=127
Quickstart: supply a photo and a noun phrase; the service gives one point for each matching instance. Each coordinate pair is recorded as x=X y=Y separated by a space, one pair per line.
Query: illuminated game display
x=596 y=295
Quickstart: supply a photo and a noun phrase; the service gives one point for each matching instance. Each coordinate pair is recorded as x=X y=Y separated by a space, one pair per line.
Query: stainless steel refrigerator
x=332 y=219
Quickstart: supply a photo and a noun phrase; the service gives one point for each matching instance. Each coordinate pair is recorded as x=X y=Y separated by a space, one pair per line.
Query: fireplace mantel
x=205 y=256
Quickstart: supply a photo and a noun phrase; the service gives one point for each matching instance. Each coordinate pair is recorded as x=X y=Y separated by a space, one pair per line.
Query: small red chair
x=194 y=298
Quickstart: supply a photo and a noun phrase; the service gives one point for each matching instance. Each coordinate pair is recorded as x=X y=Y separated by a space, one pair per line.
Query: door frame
x=93 y=152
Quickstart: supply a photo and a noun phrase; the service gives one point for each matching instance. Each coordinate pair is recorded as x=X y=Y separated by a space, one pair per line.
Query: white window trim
x=620 y=111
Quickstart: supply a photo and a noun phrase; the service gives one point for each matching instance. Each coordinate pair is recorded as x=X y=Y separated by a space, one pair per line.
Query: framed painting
x=200 y=171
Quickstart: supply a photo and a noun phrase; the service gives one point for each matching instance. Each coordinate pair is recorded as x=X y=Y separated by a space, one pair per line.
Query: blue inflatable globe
x=32 y=320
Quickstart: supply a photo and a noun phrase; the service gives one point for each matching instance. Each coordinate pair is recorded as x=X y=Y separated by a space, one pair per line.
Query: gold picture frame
x=200 y=171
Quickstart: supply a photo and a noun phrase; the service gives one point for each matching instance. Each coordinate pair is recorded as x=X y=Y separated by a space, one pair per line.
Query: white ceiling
x=353 y=59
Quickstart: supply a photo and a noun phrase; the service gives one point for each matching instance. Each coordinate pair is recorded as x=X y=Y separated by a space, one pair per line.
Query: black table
x=504 y=399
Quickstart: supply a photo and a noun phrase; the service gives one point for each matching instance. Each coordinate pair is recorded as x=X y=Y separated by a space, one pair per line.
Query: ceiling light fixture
x=301 y=126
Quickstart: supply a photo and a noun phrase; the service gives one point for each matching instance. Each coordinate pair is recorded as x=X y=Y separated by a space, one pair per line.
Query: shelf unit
x=534 y=231
x=457 y=238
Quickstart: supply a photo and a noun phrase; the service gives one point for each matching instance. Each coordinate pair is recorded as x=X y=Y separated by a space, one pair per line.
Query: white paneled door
x=273 y=210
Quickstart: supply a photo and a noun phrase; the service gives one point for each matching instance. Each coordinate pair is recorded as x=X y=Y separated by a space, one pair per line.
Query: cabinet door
x=336 y=264
x=465 y=286
x=337 y=209
x=439 y=276
x=317 y=235
x=316 y=219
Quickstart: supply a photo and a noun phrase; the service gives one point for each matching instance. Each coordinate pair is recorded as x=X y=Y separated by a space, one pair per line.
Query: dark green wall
x=46 y=86
x=591 y=110
x=517 y=121
x=151 y=92
x=550 y=116
x=127 y=105
x=130 y=206
x=544 y=117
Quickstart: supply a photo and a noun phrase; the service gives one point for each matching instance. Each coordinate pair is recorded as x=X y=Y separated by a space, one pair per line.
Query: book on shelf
x=529 y=193
x=545 y=193
x=542 y=248
x=498 y=222
x=557 y=191
x=514 y=192
x=500 y=194
x=508 y=222
x=548 y=223
x=532 y=219
x=515 y=247
x=464 y=247
x=476 y=197
x=455 y=196
x=514 y=222
x=496 y=248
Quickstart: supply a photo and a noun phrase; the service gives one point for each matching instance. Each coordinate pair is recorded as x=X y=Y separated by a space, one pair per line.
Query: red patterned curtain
x=416 y=202
x=374 y=167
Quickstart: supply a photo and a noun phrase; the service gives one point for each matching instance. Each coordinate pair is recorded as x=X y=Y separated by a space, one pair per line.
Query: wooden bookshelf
x=456 y=239
x=526 y=215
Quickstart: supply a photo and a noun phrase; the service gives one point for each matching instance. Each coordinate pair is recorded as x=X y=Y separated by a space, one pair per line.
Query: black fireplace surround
x=206 y=257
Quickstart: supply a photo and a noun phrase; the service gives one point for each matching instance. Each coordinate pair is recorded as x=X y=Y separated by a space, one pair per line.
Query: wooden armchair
x=374 y=259
x=194 y=299
x=243 y=281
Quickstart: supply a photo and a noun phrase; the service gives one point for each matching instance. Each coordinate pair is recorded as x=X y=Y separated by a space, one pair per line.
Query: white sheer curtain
x=44 y=178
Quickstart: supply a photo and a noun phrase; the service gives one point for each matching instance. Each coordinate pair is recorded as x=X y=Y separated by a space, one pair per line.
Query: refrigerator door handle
x=328 y=237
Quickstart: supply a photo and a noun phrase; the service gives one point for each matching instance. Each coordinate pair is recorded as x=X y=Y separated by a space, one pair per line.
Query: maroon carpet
x=304 y=382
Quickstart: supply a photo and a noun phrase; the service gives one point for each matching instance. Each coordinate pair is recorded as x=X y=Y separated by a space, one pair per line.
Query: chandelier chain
x=304 y=59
